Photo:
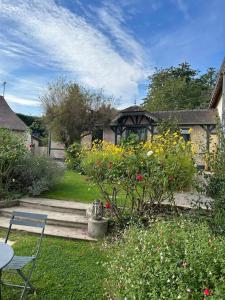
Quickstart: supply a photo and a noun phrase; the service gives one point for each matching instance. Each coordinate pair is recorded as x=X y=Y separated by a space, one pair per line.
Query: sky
x=112 y=45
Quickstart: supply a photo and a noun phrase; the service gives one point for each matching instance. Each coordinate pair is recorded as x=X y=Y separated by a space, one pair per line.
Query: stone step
x=51 y=230
x=54 y=218
x=77 y=208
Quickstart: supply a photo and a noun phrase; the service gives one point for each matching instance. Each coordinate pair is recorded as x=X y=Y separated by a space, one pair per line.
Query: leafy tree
x=179 y=88
x=72 y=111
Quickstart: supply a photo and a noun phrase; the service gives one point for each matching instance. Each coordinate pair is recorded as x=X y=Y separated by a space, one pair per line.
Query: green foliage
x=33 y=175
x=73 y=157
x=179 y=88
x=65 y=269
x=12 y=149
x=216 y=185
x=172 y=260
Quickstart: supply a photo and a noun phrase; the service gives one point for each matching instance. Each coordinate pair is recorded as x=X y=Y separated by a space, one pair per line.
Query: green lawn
x=65 y=269
x=73 y=186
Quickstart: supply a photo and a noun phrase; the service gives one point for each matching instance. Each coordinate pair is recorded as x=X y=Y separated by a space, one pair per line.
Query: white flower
x=150 y=153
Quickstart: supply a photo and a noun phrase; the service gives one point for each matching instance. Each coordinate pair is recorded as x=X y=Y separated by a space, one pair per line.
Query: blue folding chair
x=19 y=262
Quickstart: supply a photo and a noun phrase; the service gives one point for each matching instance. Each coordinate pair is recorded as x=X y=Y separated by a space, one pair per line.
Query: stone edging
x=9 y=203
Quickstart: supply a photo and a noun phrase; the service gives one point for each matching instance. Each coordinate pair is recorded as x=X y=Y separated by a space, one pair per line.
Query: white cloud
x=22 y=101
x=112 y=20
x=61 y=38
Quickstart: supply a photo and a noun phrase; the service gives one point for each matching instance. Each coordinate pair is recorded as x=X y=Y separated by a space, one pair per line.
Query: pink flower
x=139 y=177
x=207 y=292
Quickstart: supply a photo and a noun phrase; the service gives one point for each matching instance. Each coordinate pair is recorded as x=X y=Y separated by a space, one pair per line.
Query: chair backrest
x=28 y=219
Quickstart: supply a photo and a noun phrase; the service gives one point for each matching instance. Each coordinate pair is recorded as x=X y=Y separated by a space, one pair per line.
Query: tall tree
x=179 y=88
x=71 y=110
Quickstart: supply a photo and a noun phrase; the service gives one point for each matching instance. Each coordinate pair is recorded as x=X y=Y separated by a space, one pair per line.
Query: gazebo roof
x=8 y=119
x=133 y=111
x=134 y=108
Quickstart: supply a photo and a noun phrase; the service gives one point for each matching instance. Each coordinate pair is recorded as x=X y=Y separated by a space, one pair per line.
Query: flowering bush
x=172 y=260
x=135 y=176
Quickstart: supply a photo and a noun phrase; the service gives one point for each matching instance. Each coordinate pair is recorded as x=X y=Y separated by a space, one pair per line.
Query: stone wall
x=108 y=135
x=86 y=141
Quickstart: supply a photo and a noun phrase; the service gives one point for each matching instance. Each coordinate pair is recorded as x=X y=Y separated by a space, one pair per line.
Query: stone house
x=9 y=120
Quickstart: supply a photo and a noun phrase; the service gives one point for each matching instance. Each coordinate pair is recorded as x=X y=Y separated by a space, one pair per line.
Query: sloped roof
x=133 y=111
x=183 y=117
x=134 y=108
x=8 y=119
x=218 y=87
x=190 y=117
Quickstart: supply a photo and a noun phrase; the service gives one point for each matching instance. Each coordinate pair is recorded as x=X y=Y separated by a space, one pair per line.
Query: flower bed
x=171 y=260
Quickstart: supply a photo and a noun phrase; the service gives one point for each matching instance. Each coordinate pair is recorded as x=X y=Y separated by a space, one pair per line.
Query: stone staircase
x=66 y=219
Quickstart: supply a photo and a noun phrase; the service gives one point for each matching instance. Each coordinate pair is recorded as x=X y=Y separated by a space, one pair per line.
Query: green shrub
x=216 y=161
x=35 y=174
x=172 y=260
x=73 y=157
x=12 y=149
x=21 y=172
x=216 y=186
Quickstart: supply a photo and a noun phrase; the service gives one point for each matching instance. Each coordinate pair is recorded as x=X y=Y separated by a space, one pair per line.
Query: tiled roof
x=196 y=116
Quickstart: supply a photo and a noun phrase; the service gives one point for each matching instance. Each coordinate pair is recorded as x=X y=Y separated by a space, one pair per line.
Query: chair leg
x=27 y=282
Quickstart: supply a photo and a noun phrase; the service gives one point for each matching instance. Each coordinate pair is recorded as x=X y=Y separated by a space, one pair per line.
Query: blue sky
x=113 y=45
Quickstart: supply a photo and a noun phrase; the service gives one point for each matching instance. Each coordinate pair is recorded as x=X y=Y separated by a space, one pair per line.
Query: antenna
x=4 y=83
x=135 y=101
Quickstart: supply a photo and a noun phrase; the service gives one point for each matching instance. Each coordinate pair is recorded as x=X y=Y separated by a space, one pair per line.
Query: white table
x=6 y=255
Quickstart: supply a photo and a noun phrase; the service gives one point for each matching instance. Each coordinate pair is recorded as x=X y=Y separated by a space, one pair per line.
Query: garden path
x=191 y=200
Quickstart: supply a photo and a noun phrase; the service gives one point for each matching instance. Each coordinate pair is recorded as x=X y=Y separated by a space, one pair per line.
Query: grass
x=66 y=269
x=75 y=187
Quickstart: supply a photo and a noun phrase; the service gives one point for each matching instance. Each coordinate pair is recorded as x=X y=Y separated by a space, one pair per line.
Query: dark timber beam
x=208 y=129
